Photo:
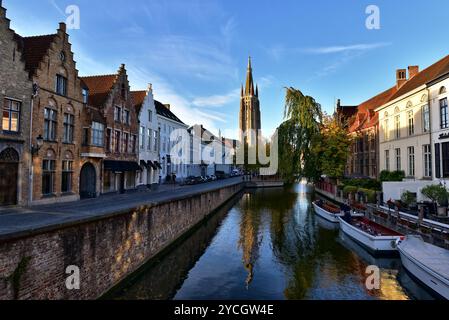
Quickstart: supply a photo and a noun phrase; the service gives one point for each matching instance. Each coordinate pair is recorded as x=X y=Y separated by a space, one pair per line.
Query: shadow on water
x=268 y=244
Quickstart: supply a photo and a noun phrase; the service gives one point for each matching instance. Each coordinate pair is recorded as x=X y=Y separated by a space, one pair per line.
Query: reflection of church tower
x=249 y=110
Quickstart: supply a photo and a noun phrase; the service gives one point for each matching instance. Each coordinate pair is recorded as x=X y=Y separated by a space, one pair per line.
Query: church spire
x=249 y=88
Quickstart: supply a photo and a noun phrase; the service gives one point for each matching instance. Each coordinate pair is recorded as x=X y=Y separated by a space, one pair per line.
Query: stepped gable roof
x=34 y=49
x=138 y=98
x=99 y=88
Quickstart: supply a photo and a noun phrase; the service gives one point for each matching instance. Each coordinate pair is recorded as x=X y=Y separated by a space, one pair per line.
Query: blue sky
x=195 y=51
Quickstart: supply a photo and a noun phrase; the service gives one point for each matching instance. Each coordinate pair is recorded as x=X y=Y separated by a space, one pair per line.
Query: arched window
x=424 y=98
x=409 y=104
x=397 y=110
x=443 y=90
x=9 y=155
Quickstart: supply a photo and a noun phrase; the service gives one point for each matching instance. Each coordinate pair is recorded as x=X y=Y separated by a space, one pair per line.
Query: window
x=155 y=142
x=387 y=160
x=11 y=116
x=398 y=160
x=397 y=127
x=443 y=90
x=427 y=151
x=118 y=114
x=67 y=175
x=142 y=138
x=426 y=118
x=126 y=142
x=117 y=141
x=50 y=122
x=85 y=136
x=133 y=143
x=411 y=123
x=61 y=85
x=437 y=161
x=109 y=140
x=411 y=161
x=445 y=157
x=69 y=127
x=126 y=117
x=149 y=136
x=97 y=134
x=150 y=116
x=386 y=130
x=85 y=96
x=123 y=91
x=62 y=56
x=48 y=176
x=443 y=114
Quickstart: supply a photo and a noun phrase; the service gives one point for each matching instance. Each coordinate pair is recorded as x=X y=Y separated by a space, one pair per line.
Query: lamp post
x=36 y=147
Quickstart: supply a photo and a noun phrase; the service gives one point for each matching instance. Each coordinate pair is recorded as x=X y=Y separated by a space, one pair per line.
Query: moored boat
x=372 y=236
x=329 y=211
x=427 y=263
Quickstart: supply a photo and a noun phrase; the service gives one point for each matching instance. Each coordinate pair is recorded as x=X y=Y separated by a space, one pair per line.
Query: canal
x=268 y=244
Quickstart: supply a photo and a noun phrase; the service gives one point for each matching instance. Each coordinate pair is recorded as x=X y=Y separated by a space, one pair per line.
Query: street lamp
x=39 y=143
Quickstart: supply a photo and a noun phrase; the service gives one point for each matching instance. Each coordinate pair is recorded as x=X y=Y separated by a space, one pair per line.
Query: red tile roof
x=34 y=49
x=436 y=70
x=99 y=88
x=138 y=98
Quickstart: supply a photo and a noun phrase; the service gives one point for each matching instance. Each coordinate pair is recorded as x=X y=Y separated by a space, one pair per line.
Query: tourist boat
x=329 y=211
x=372 y=236
x=427 y=263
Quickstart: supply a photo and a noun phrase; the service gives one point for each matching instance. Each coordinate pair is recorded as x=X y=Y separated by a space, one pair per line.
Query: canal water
x=268 y=244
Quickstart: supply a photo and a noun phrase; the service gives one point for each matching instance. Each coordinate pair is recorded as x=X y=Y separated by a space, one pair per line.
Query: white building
x=414 y=130
x=148 y=138
x=169 y=124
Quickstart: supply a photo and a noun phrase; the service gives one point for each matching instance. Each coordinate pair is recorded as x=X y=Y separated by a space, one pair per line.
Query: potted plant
x=409 y=199
x=439 y=197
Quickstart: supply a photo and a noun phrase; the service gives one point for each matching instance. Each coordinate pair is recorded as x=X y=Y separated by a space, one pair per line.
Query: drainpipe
x=31 y=173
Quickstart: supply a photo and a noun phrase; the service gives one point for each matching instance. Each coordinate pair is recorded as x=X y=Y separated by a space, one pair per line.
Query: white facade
x=405 y=137
x=167 y=126
x=148 y=142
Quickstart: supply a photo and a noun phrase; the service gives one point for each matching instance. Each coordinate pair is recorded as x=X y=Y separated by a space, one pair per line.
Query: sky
x=195 y=52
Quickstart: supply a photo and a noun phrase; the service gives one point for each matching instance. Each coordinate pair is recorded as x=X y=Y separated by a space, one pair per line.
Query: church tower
x=249 y=110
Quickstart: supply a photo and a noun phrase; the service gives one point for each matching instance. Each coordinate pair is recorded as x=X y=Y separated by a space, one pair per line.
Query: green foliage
x=350 y=189
x=408 y=198
x=392 y=176
x=371 y=194
x=437 y=193
x=363 y=183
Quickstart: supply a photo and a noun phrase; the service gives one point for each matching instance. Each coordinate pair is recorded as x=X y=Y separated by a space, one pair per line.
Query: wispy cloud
x=217 y=100
x=348 y=48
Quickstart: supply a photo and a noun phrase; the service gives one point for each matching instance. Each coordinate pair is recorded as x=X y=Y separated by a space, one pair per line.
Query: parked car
x=191 y=180
x=213 y=177
x=199 y=179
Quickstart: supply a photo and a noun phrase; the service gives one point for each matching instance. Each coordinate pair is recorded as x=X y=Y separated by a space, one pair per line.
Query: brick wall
x=106 y=251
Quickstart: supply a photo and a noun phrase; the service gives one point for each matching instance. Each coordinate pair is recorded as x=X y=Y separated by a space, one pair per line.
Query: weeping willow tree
x=301 y=128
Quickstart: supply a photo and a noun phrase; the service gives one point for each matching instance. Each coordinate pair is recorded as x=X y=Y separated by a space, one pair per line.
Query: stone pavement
x=16 y=222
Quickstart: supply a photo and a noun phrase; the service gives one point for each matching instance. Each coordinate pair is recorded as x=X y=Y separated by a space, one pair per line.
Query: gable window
x=149 y=136
x=126 y=117
x=155 y=141
x=142 y=138
x=117 y=114
x=11 y=116
x=150 y=116
x=117 y=141
x=426 y=118
x=97 y=134
x=444 y=114
x=67 y=176
x=61 y=85
x=69 y=127
x=411 y=123
x=50 y=122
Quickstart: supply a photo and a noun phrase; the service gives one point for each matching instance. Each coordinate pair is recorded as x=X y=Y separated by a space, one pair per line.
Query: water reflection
x=267 y=245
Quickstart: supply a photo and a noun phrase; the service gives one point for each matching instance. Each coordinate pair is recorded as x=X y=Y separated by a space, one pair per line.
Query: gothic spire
x=249 y=88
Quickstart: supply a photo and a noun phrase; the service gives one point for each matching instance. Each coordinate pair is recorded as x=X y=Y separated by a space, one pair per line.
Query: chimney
x=412 y=71
x=150 y=87
x=401 y=77
x=62 y=27
x=167 y=106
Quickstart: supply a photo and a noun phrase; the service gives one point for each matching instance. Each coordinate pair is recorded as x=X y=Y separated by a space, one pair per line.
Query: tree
x=303 y=118
x=331 y=148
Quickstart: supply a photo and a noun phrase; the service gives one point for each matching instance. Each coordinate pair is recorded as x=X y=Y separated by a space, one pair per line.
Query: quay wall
x=106 y=250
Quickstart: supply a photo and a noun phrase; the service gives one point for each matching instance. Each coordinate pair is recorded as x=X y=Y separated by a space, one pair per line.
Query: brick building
x=110 y=96
x=15 y=103
x=57 y=106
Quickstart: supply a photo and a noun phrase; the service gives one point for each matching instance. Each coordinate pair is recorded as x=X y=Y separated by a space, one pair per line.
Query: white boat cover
x=433 y=257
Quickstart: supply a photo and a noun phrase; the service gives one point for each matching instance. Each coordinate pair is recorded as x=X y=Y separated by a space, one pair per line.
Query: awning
x=143 y=164
x=158 y=165
x=121 y=166
x=152 y=165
